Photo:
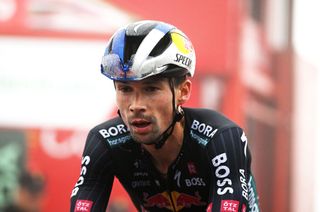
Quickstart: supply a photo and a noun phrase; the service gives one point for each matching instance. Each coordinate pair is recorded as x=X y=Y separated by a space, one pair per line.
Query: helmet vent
x=132 y=45
x=161 y=46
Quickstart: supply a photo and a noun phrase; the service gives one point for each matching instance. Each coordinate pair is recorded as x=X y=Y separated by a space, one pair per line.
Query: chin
x=140 y=140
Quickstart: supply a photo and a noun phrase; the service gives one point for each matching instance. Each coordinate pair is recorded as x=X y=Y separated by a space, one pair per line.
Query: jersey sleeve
x=231 y=181
x=92 y=190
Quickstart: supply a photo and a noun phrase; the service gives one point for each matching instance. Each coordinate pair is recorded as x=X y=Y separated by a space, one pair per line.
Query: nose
x=137 y=104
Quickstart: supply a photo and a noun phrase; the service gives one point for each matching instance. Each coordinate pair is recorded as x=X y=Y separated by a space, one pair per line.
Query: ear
x=184 y=92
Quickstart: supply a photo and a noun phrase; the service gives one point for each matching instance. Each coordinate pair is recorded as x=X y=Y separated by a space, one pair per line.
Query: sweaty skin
x=146 y=108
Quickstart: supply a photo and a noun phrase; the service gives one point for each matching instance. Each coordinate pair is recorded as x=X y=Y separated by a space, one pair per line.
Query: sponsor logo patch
x=204 y=129
x=85 y=161
x=192 y=168
x=229 y=206
x=195 y=181
x=113 y=131
x=244 y=208
x=83 y=206
x=222 y=173
x=182 y=43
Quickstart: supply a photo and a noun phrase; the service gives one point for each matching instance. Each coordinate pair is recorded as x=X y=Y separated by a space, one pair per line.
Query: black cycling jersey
x=211 y=173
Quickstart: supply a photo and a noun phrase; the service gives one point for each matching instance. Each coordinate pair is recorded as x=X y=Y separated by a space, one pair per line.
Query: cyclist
x=167 y=157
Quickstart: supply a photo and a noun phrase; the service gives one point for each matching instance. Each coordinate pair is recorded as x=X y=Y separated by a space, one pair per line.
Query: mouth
x=140 y=125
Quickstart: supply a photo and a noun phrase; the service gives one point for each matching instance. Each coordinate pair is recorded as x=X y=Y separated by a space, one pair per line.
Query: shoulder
x=208 y=116
x=113 y=131
x=206 y=123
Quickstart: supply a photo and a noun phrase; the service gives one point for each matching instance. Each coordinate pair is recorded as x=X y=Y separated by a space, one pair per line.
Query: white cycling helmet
x=148 y=48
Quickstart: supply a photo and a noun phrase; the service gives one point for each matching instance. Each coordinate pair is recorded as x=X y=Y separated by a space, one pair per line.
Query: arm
x=230 y=162
x=92 y=190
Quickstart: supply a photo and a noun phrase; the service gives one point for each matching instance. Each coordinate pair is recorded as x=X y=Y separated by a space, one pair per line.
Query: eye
x=124 y=89
x=151 y=88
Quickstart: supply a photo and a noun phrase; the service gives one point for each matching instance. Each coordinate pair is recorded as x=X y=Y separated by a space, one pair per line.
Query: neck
x=162 y=158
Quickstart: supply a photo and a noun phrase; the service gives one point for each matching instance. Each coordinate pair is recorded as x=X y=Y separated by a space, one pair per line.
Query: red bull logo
x=160 y=200
x=186 y=201
x=173 y=201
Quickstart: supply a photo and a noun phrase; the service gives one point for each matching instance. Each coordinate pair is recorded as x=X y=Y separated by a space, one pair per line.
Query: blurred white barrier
x=52 y=83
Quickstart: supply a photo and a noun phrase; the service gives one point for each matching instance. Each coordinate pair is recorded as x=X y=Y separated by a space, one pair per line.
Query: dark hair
x=178 y=80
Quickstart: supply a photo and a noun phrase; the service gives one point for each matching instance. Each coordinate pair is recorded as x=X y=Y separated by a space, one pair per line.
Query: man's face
x=145 y=107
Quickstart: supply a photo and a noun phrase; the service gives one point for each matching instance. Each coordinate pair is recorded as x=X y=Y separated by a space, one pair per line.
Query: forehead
x=148 y=81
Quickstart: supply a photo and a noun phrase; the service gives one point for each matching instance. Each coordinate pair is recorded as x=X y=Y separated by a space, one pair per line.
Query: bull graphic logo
x=160 y=200
x=173 y=200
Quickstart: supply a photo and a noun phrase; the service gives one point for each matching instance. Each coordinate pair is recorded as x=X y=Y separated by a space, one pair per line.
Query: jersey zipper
x=169 y=190
x=171 y=169
x=169 y=174
x=171 y=200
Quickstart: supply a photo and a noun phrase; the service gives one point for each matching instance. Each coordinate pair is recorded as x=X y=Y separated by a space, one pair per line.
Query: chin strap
x=165 y=135
x=177 y=116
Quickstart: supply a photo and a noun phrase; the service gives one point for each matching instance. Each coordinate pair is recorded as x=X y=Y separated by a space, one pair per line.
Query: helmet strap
x=177 y=116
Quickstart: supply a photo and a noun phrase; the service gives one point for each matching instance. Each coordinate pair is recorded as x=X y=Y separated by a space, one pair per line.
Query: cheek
x=121 y=101
x=164 y=106
x=164 y=109
x=122 y=104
